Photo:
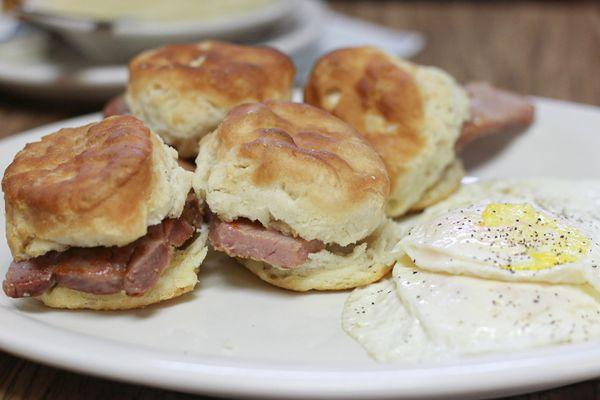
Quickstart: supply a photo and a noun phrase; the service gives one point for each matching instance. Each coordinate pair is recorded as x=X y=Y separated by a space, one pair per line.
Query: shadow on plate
x=218 y=266
x=32 y=306
x=485 y=149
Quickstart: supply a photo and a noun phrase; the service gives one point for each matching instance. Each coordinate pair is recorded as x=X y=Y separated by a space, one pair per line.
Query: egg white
x=472 y=315
x=376 y=318
x=422 y=316
x=575 y=198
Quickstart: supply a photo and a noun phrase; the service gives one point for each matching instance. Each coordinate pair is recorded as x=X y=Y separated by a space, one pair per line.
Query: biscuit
x=295 y=168
x=412 y=115
x=184 y=91
x=442 y=189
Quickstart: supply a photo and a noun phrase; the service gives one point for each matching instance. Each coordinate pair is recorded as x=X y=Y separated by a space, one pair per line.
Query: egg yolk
x=547 y=242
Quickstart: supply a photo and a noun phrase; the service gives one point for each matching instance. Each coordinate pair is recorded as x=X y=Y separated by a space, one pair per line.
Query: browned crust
x=368 y=82
x=303 y=147
x=77 y=179
x=225 y=73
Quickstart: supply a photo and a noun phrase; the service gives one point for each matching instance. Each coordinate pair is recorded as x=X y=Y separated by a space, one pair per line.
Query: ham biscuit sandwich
x=101 y=217
x=414 y=116
x=297 y=196
x=182 y=92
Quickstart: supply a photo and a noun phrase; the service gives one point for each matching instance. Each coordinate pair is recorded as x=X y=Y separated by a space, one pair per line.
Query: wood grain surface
x=545 y=48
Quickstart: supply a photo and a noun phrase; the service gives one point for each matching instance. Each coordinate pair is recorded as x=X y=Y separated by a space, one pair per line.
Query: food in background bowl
x=151 y=10
x=115 y=31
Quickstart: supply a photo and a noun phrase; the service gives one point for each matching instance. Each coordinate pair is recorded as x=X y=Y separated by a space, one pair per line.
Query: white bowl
x=119 y=40
x=38 y=65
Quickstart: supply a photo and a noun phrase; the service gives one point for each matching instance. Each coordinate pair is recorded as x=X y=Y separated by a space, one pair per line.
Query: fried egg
x=500 y=266
x=514 y=241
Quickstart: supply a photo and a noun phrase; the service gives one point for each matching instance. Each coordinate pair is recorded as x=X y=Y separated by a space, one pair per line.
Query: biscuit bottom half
x=367 y=262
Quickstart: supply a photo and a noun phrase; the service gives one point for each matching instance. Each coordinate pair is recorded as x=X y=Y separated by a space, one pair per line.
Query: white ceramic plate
x=237 y=336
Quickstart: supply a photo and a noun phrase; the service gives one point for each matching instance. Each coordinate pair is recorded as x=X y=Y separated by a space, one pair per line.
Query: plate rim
x=213 y=377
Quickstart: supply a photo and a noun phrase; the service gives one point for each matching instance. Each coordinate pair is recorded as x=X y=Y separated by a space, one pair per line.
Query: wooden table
x=542 y=48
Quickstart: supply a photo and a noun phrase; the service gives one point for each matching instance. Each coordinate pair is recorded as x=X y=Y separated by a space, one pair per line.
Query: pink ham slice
x=175 y=231
x=97 y=270
x=28 y=278
x=494 y=111
x=245 y=239
x=100 y=270
x=187 y=165
x=151 y=256
x=116 y=106
x=153 y=252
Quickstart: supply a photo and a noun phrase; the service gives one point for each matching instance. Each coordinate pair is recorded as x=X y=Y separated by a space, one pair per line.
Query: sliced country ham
x=98 y=270
x=150 y=258
x=246 y=239
x=28 y=278
x=494 y=111
x=187 y=165
x=177 y=231
x=116 y=106
x=105 y=270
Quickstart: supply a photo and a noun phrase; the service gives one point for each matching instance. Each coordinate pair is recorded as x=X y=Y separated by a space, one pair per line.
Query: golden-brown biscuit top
x=225 y=73
x=75 y=169
x=299 y=144
x=365 y=88
x=411 y=114
x=82 y=187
